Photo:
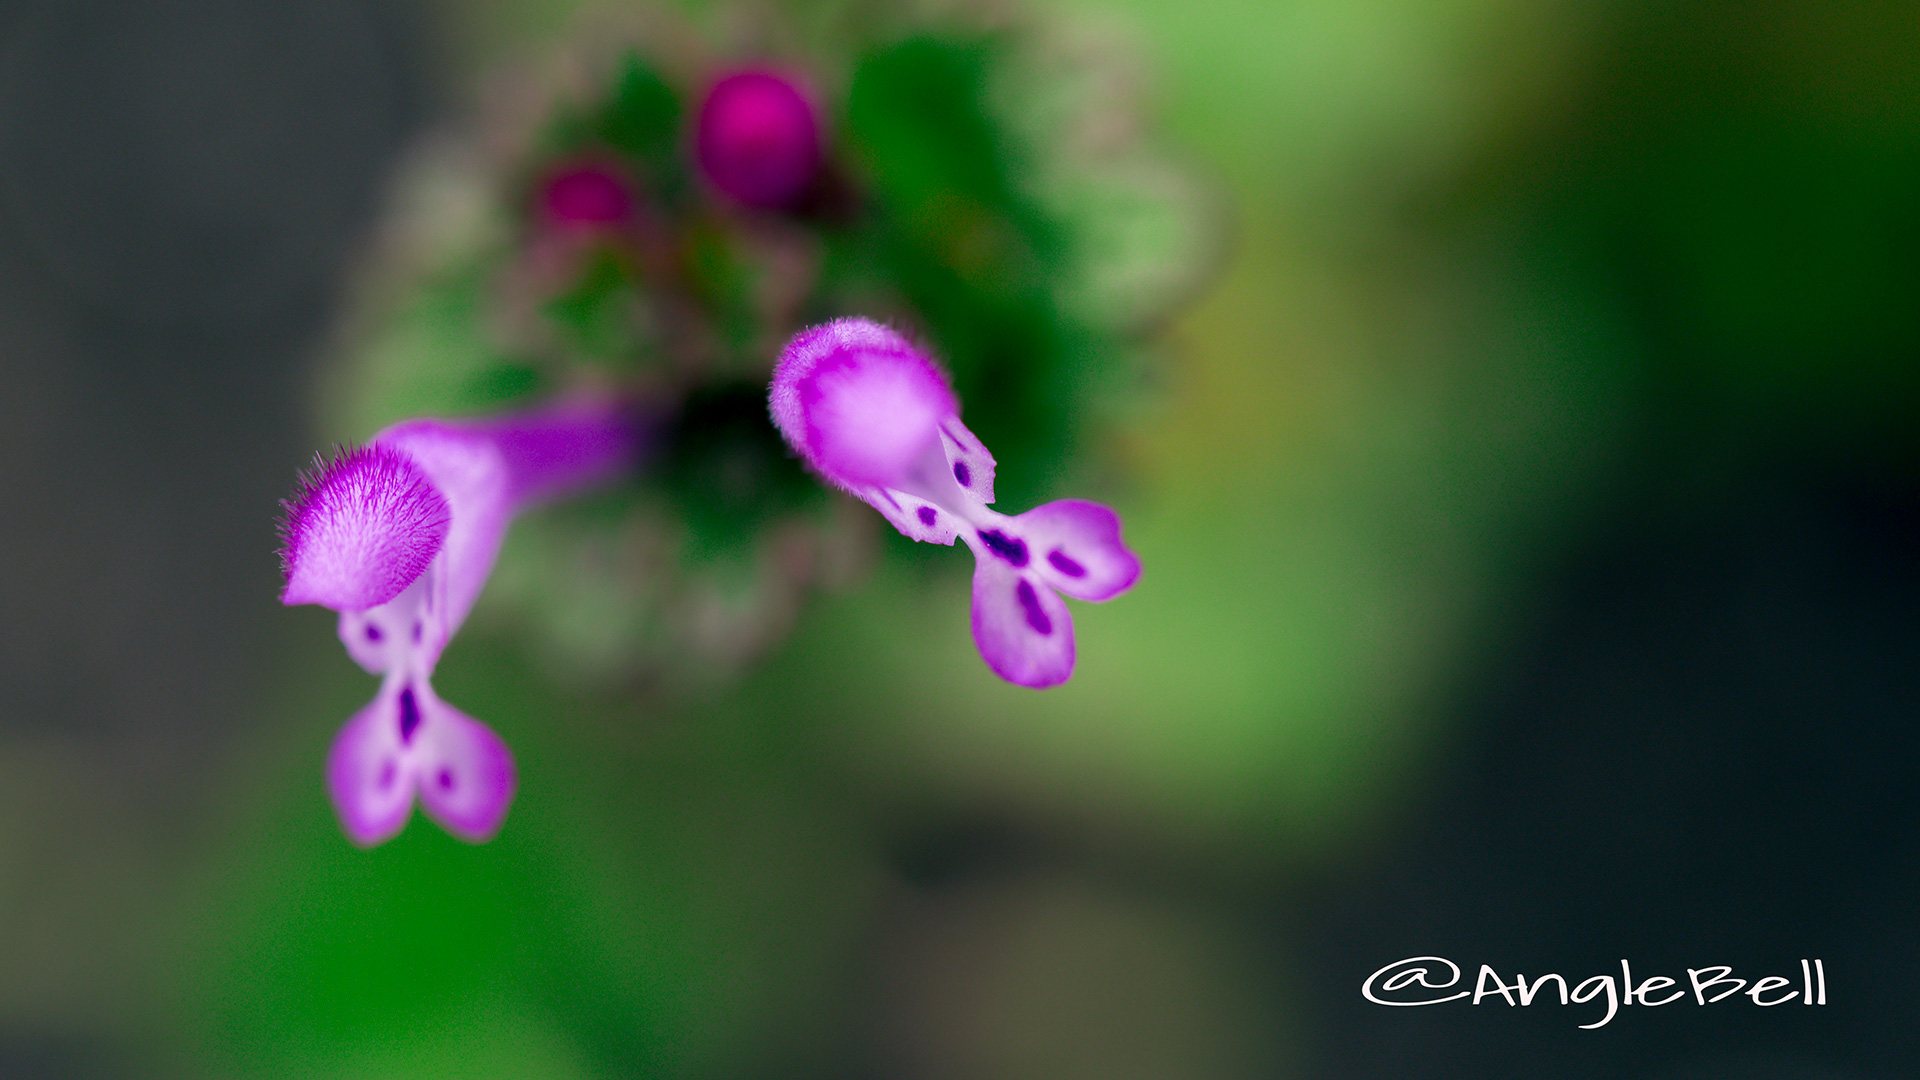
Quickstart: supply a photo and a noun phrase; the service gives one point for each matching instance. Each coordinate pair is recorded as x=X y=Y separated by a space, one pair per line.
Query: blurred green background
x=1528 y=512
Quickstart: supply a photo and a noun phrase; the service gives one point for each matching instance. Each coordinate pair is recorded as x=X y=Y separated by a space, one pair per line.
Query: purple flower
x=874 y=415
x=399 y=537
x=758 y=138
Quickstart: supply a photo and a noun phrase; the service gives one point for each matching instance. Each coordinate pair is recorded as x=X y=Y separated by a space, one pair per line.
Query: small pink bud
x=586 y=194
x=758 y=138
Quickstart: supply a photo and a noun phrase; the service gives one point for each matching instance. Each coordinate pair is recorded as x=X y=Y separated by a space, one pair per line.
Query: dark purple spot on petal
x=417 y=627
x=1036 y=617
x=1064 y=564
x=446 y=779
x=409 y=716
x=928 y=516
x=387 y=772
x=373 y=633
x=1011 y=548
x=961 y=473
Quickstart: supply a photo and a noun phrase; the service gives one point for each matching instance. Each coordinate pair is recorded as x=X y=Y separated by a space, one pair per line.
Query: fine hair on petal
x=360 y=528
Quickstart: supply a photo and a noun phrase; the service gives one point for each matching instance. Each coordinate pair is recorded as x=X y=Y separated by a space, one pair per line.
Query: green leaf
x=642 y=117
x=597 y=313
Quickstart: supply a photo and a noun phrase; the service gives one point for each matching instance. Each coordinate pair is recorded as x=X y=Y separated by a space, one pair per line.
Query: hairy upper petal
x=858 y=402
x=361 y=528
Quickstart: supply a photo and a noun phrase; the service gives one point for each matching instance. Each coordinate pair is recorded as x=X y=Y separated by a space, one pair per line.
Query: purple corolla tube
x=874 y=415
x=399 y=536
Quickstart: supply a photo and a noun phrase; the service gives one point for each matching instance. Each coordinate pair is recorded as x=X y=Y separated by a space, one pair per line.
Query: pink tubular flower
x=758 y=138
x=874 y=415
x=399 y=537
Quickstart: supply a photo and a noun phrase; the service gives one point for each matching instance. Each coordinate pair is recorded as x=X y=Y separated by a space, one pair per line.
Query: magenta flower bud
x=586 y=195
x=360 y=528
x=875 y=416
x=758 y=138
x=859 y=403
x=399 y=537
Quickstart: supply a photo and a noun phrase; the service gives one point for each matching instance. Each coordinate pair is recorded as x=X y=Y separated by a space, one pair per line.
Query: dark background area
x=181 y=186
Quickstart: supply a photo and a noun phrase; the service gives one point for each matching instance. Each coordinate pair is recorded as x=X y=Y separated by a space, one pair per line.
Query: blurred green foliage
x=972 y=254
